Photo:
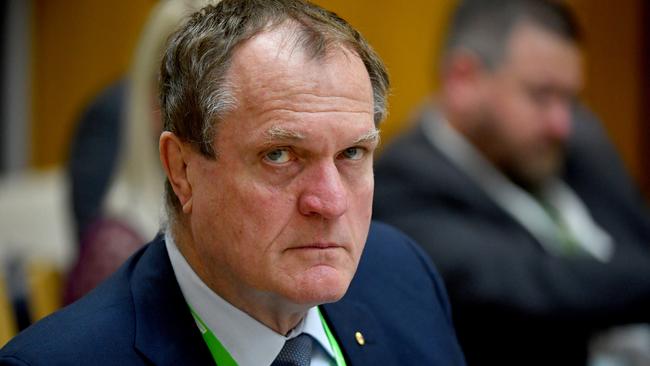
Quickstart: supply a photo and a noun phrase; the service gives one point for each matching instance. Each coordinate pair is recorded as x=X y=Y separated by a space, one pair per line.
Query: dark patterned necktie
x=296 y=352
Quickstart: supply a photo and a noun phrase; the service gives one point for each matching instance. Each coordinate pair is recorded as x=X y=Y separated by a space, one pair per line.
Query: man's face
x=283 y=213
x=526 y=117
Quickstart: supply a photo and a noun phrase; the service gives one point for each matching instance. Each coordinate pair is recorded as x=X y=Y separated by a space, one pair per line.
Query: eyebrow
x=369 y=137
x=280 y=133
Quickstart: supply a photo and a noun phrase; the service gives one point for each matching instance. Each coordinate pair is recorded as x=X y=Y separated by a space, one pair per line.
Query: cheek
x=361 y=206
x=219 y=208
x=360 y=184
x=366 y=197
x=514 y=118
x=261 y=212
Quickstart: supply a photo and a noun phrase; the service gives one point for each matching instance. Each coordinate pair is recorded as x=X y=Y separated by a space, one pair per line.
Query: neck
x=268 y=308
x=279 y=318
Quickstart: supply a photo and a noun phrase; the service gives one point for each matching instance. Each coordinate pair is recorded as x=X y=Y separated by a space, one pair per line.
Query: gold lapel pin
x=359 y=337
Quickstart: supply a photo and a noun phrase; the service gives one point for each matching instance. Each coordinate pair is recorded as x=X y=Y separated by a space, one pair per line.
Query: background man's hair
x=194 y=90
x=483 y=27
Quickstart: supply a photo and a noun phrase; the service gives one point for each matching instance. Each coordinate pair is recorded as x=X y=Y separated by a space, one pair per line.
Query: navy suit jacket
x=139 y=316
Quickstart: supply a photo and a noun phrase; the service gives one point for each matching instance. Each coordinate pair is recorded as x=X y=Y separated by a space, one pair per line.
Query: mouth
x=319 y=255
x=317 y=246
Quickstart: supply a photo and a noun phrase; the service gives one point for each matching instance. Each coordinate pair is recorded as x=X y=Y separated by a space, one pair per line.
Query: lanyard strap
x=223 y=358
x=338 y=355
x=219 y=353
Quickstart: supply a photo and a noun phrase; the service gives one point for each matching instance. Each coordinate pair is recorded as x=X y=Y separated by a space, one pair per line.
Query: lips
x=318 y=246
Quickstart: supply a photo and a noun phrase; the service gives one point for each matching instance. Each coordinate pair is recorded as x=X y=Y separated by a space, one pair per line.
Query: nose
x=324 y=193
x=559 y=120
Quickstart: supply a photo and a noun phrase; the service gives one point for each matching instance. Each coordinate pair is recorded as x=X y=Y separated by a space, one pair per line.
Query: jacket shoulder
x=97 y=328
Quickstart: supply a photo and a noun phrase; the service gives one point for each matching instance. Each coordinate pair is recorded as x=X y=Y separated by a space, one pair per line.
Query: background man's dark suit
x=139 y=316
x=513 y=302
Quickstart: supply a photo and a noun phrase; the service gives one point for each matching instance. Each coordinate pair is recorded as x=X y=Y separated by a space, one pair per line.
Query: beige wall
x=81 y=45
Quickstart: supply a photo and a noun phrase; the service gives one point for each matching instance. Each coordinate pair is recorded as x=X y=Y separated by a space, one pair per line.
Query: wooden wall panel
x=613 y=55
x=79 y=46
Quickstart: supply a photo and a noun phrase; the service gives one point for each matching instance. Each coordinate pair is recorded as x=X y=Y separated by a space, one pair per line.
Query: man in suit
x=270 y=113
x=516 y=195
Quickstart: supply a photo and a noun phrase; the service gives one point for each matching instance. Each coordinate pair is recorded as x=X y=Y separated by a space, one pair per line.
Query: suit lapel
x=345 y=318
x=165 y=330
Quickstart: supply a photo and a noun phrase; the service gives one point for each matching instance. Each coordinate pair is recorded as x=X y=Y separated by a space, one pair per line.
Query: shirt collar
x=247 y=340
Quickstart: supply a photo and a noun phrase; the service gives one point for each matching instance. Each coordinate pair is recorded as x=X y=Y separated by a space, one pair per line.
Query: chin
x=533 y=174
x=320 y=286
x=544 y=174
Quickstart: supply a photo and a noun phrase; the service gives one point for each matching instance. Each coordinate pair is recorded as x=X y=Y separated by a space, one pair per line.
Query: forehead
x=271 y=66
x=534 y=52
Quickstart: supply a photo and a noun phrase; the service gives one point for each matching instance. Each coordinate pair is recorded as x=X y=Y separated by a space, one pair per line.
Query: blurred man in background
x=516 y=194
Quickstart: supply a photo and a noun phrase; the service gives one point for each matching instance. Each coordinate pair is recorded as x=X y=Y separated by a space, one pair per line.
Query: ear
x=463 y=77
x=174 y=156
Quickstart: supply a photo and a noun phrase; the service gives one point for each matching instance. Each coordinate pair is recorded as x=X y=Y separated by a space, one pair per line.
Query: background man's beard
x=532 y=172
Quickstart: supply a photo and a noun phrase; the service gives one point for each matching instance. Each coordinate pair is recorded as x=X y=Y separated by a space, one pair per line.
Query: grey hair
x=195 y=93
x=483 y=27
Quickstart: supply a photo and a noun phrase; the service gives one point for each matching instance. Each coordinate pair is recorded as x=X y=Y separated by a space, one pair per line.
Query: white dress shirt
x=249 y=342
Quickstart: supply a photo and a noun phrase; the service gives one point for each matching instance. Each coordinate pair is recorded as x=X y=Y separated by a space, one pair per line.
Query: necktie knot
x=296 y=352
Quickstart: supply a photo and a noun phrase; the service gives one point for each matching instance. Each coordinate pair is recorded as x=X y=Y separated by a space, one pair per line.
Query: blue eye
x=353 y=153
x=278 y=156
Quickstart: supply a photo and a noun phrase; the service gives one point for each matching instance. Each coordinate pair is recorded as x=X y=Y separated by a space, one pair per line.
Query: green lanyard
x=223 y=358
x=338 y=355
